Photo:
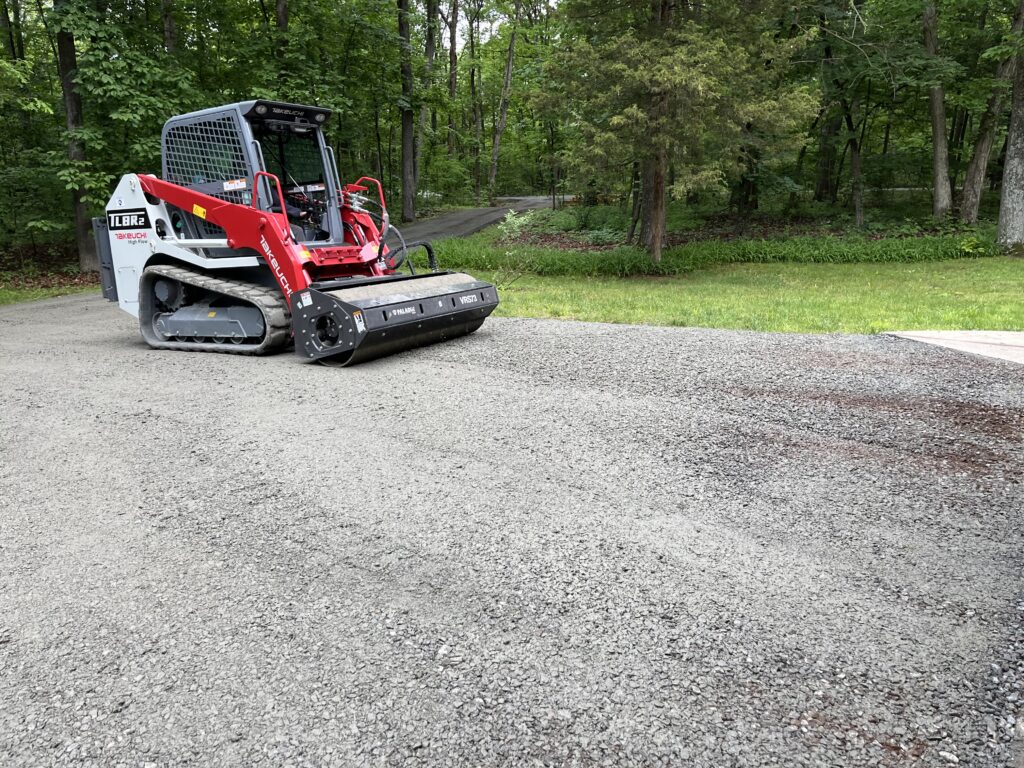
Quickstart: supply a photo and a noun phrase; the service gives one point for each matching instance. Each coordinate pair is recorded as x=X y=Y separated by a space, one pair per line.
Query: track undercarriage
x=185 y=309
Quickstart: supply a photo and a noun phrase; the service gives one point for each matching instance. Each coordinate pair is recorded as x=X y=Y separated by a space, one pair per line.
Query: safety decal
x=234 y=184
x=199 y=211
x=360 y=325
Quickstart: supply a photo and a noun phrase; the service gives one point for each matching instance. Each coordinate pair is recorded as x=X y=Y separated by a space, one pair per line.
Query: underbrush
x=490 y=251
x=39 y=271
x=609 y=224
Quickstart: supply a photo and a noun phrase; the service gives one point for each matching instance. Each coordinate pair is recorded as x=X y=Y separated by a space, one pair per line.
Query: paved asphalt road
x=468 y=222
x=548 y=543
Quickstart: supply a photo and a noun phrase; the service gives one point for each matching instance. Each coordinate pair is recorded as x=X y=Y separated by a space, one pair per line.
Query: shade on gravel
x=548 y=543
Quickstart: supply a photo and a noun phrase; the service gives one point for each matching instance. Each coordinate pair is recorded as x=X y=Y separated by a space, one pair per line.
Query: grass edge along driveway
x=960 y=294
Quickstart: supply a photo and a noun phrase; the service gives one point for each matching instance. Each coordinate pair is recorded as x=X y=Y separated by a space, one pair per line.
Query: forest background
x=841 y=130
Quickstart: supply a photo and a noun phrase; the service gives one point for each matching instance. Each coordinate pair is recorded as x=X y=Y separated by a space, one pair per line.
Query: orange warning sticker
x=199 y=211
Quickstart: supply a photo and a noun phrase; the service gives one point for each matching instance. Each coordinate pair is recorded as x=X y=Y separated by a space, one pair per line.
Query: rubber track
x=276 y=314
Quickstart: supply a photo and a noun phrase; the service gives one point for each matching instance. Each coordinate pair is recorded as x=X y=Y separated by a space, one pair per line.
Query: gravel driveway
x=549 y=543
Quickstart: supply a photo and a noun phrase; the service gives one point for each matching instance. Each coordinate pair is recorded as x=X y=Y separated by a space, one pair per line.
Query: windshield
x=294 y=158
x=292 y=152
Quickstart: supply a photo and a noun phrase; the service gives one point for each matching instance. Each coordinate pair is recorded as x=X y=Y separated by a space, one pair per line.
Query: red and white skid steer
x=250 y=243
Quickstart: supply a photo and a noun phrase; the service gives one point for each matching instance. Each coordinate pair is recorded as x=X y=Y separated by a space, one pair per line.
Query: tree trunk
x=974 y=178
x=67 y=67
x=635 y=214
x=430 y=50
x=282 y=28
x=655 y=165
x=408 y=117
x=380 y=143
x=957 y=134
x=7 y=31
x=995 y=175
x=506 y=92
x=857 y=182
x=1011 y=206
x=825 y=186
x=854 y=144
x=282 y=16
x=794 y=198
x=453 y=71
x=553 y=155
x=391 y=163
x=744 y=195
x=654 y=205
x=170 y=29
x=16 y=25
x=474 y=93
x=942 y=201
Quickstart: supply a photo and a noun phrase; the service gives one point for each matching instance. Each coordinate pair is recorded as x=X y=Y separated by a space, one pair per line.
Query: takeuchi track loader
x=250 y=243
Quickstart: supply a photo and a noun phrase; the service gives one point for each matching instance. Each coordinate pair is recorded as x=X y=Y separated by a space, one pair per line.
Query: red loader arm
x=246 y=227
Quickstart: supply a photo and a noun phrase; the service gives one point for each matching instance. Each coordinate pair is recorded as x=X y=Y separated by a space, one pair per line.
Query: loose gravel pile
x=548 y=543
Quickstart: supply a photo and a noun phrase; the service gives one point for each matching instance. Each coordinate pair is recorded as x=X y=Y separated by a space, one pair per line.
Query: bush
x=604 y=237
x=514 y=224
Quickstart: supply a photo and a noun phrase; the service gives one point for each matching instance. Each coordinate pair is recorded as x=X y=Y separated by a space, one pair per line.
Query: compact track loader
x=250 y=243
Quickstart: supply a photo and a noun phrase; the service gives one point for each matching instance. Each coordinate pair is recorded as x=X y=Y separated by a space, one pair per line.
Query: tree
x=639 y=101
x=429 y=52
x=1011 y=205
x=473 y=19
x=506 y=91
x=942 y=200
x=700 y=90
x=453 y=70
x=170 y=28
x=974 y=178
x=7 y=31
x=67 y=66
x=408 y=116
x=281 y=16
x=654 y=166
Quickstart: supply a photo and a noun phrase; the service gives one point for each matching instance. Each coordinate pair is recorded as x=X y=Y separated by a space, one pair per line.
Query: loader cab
x=218 y=152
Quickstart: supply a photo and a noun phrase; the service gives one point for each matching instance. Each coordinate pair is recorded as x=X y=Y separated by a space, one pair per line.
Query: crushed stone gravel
x=549 y=543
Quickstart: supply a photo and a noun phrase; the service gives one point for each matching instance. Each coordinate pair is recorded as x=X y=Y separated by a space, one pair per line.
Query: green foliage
x=515 y=224
x=481 y=253
x=751 y=88
x=723 y=71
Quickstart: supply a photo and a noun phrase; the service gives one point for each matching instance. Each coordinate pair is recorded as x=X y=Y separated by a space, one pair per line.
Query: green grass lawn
x=960 y=294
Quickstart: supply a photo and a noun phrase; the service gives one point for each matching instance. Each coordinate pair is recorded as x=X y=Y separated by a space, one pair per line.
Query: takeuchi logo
x=276 y=266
